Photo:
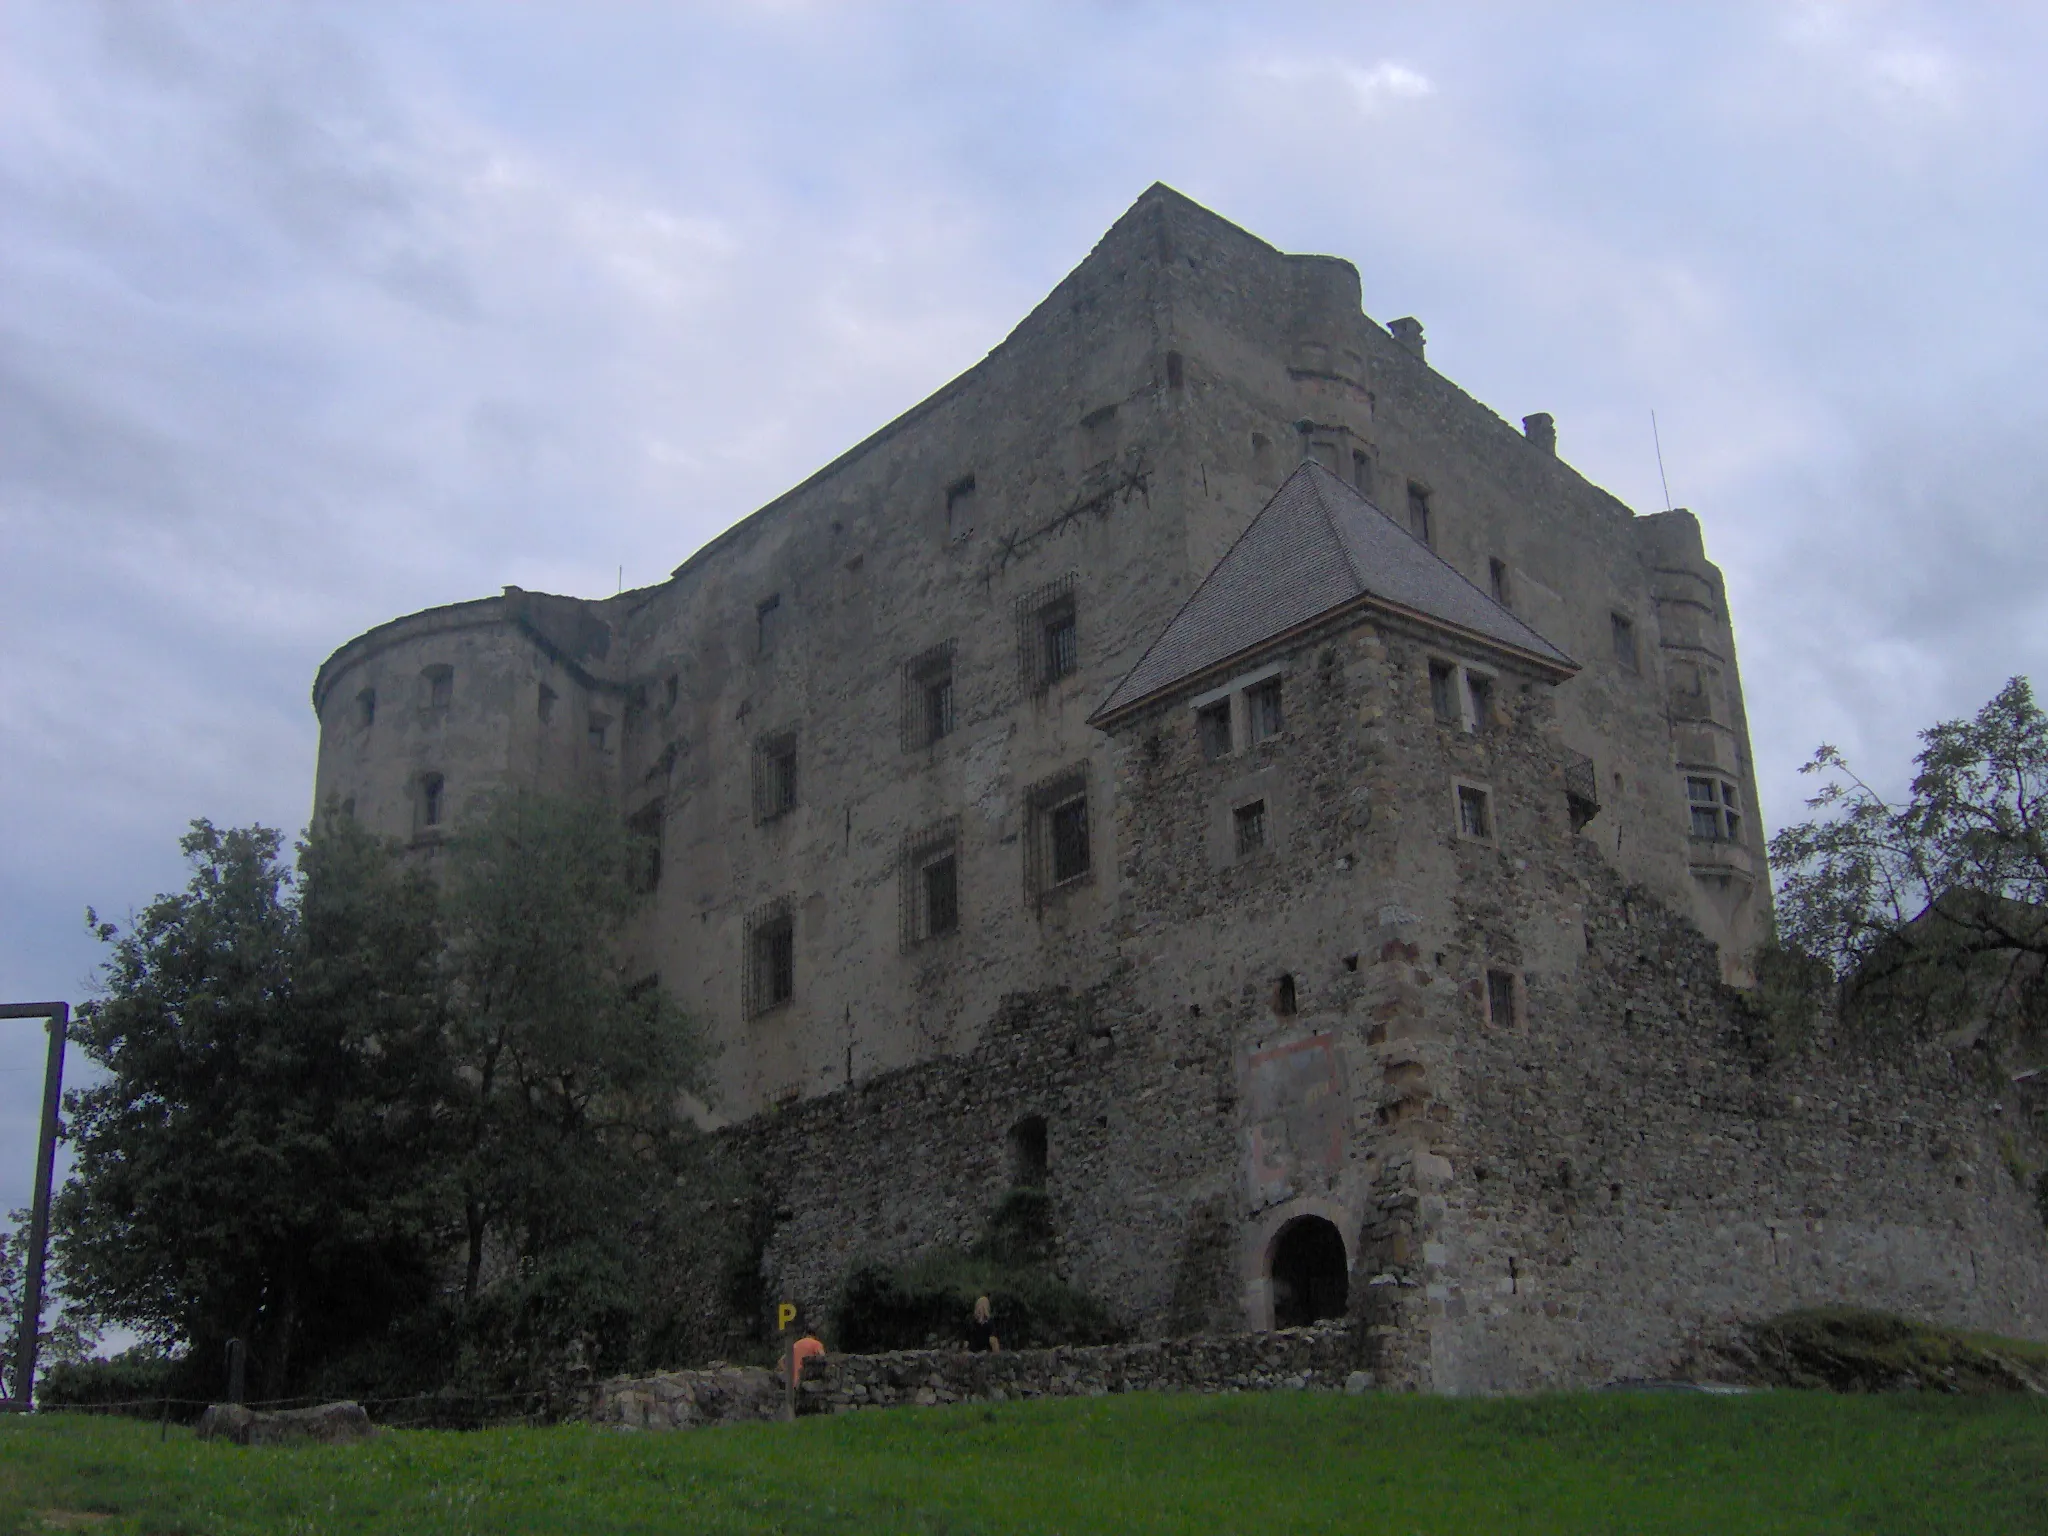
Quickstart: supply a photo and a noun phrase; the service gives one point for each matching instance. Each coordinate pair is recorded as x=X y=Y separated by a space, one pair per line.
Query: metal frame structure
x=58 y=1016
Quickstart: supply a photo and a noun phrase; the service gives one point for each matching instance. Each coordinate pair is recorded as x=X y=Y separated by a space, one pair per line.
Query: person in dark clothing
x=981 y=1333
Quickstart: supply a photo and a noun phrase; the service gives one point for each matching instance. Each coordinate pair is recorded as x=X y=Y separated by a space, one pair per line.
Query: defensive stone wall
x=1325 y=1358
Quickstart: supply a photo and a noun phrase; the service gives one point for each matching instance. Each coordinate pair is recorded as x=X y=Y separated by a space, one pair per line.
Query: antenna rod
x=1660 y=460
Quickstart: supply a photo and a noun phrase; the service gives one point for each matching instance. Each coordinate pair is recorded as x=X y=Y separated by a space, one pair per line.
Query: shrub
x=930 y=1300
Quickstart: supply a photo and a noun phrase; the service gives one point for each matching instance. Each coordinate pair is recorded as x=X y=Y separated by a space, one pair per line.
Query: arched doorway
x=1309 y=1273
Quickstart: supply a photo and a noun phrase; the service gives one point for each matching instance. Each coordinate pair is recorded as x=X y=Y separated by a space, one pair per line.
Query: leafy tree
x=250 y=1163
x=1941 y=901
x=572 y=1146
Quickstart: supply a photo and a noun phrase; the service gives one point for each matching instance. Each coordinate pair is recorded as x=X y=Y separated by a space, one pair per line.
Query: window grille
x=928 y=697
x=1475 y=814
x=774 y=776
x=1057 y=851
x=1048 y=641
x=769 y=972
x=1250 y=822
x=929 y=883
x=1716 y=809
x=1500 y=998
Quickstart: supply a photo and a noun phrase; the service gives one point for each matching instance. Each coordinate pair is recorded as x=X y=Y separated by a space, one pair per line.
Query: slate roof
x=1317 y=546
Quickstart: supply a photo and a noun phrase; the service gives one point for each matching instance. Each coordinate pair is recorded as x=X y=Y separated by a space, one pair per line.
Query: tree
x=250 y=1163
x=1941 y=901
x=573 y=1078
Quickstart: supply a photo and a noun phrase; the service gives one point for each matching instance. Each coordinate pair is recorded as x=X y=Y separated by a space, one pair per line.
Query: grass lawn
x=1282 y=1463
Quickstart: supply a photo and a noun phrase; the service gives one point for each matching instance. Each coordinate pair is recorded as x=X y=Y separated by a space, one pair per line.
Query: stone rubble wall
x=1322 y=1358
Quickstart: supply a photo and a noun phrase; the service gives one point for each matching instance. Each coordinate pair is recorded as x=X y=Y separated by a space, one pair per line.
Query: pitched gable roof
x=1316 y=547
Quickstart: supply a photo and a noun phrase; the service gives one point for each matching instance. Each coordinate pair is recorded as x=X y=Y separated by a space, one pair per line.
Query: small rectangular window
x=674 y=688
x=1069 y=825
x=547 y=704
x=1361 y=471
x=1212 y=727
x=1062 y=650
x=1475 y=815
x=767 y=623
x=443 y=686
x=366 y=708
x=1625 y=642
x=1250 y=823
x=1262 y=706
x=1500 y=999
x=1418 y=514
x=600 y=732
x=771 y=960
x=1497 y=576
x=432 y=786
x=928 y=697
x=775 y=777
x=941 y=896
x=960 y=507
x=646 y=827
x=1715 y=808
x=1443 y=692
x=1048 y=642
x=1481 y=691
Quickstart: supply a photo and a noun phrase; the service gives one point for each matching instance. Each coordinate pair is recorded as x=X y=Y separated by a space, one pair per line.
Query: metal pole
x=59 y=1016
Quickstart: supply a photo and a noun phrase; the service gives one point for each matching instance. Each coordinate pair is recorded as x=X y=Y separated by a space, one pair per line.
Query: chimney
x=1408 y=331
x=1541 y=430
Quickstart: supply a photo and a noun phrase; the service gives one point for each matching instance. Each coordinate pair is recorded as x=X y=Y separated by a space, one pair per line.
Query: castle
x=1204 y=765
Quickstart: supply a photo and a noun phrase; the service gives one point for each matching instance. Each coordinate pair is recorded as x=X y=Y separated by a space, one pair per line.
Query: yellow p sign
x=785 y=1314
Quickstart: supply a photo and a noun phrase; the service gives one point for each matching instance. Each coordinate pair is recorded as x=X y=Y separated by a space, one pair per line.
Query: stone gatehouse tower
x=1203 y=762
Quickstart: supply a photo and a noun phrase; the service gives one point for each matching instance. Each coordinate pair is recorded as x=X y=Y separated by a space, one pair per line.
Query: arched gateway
x=1309 y=1274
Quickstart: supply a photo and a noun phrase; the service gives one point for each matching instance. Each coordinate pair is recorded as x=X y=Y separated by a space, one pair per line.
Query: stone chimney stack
x=1408 y=331
x=1541 y=430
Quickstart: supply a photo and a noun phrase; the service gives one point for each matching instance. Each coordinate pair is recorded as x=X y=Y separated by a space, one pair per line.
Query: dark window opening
x=646 y=827
x=1716 y=809
x=1310 y=1276
x=1418 y=514
x=600 y=732
x=674 y=688
x=1250 y=824
x=775 y=777
x=1284 y=1001
x=941 y=896
x=767 y=623
x=1497 y=574
x=431 y=795
x=1212 y=727
x=928 y=697
x=1062 y=650
x=366 y=708
x=938 y=708
x=437 y=687
x=1443 y=691
x=959 y=506
x=1098 y=435
x=1475 y=818
x=1625 y=642
x=773 y=963
x=1176 y=373
x=1263 y=705
x=1027 y=1153
x=547 y=704
x=1262 y=454
x=1068 y=827
x=1481 y=691
x=1361 y=471
x=348 y=807
x=1500 y=998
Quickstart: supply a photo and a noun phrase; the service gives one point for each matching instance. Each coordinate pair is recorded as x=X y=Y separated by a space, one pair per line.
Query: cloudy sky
x=312 y=315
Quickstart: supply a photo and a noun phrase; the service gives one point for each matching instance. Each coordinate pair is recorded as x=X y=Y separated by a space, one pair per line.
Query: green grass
x=1290 y=1463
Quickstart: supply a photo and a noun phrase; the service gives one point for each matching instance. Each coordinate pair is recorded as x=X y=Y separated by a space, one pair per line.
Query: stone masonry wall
x=1325 y=1358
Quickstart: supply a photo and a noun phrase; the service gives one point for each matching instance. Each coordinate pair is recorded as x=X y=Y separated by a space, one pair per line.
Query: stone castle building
x=1202 y=763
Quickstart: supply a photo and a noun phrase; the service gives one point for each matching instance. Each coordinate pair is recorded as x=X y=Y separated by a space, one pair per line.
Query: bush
x=136 y=1381
x=930 y=1301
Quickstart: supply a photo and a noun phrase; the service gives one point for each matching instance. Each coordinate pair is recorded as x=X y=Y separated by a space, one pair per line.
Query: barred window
x=1048 y=641
x=1500 y=999
x=774 y=776
x=646 y=827
x=928 y=697
x=1057 y=851
x=770 y=968
x=929 y=882
x=1250 y=824
x=1475 y=812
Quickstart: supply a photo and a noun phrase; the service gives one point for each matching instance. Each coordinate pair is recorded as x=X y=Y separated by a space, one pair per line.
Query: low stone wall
x=1324 y=1358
